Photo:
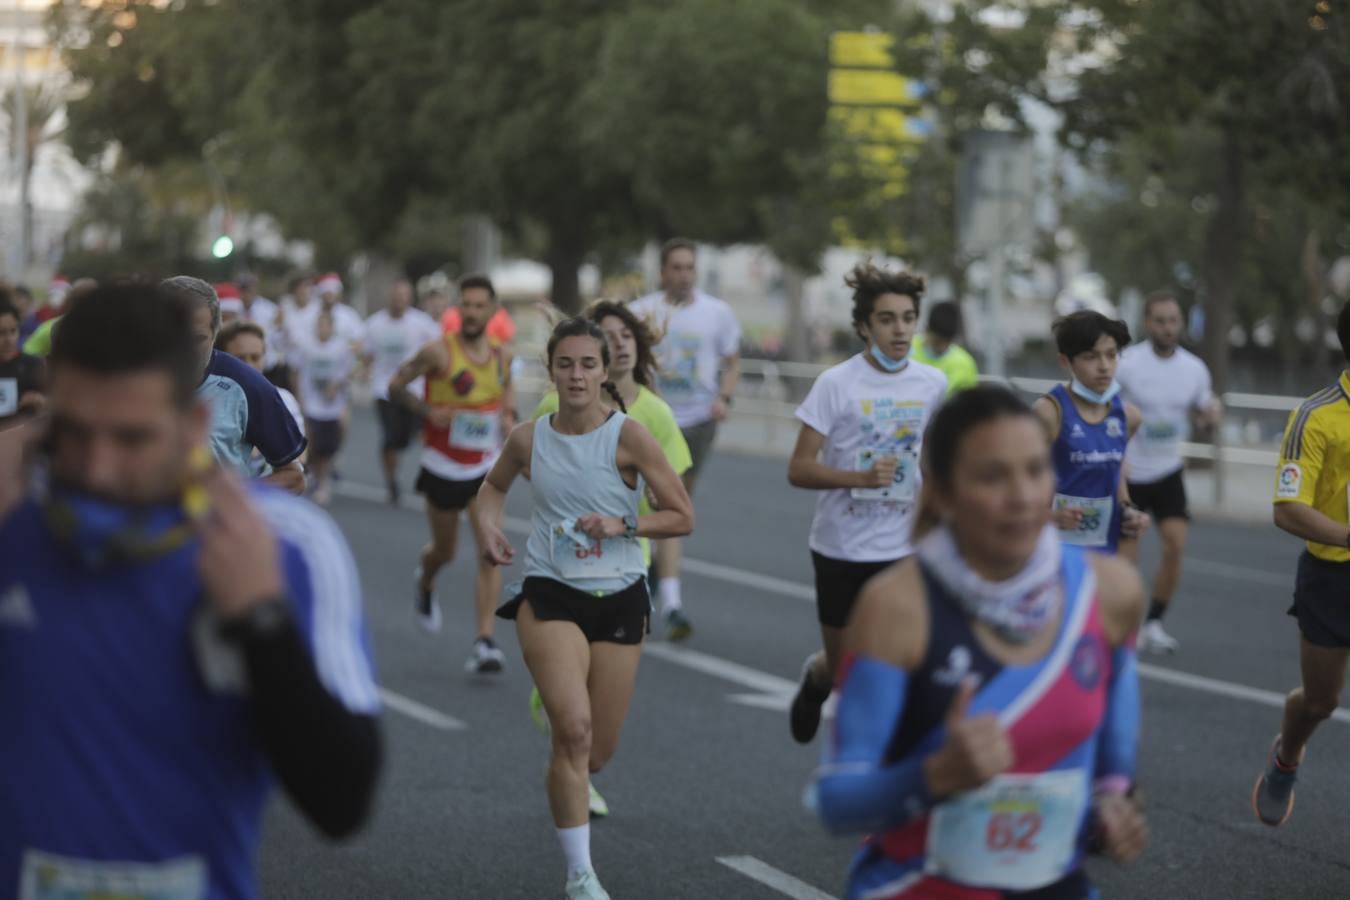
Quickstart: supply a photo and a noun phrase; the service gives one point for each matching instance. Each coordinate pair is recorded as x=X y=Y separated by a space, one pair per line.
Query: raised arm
x=673 y=515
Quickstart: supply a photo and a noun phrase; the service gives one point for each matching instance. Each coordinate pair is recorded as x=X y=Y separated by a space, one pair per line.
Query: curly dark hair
x=870 y=282
x=644 y=367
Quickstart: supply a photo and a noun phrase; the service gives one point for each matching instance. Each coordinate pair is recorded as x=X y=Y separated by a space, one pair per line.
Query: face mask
x=886 y=363
x=1092 y=396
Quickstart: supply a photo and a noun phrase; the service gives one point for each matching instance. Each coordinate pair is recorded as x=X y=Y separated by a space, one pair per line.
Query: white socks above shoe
x=669 y=588
x=576 y=845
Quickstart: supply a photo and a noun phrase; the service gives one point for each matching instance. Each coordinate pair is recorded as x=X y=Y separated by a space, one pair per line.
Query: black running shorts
x=325 y=437
x=445 y=495
x=398 y=424
x=619 y=618
x=1164 y=499
x=1322 y=601
x=838 y=584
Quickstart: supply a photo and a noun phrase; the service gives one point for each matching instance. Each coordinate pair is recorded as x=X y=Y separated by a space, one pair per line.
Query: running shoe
x=424 y=603
x=485 y=657
x=1154 y=639
x=804 y=715
x=537 y=714
x=585 y=887
x=599 y=808
x=678 y=626
x=1273 y=796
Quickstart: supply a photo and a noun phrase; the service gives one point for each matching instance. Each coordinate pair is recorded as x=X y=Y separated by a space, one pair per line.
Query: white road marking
x=422 y=713
x=768 y=876
x=775 y=693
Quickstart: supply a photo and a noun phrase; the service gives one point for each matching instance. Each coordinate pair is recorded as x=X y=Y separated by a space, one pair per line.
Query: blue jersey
x=247 y=411
x=120 y=755
x=1087 y=460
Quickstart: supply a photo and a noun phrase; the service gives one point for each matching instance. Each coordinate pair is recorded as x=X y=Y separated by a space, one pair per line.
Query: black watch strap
x=261 y=622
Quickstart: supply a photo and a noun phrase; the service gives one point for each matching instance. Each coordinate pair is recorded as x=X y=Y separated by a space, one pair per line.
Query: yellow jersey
x=1315 y=460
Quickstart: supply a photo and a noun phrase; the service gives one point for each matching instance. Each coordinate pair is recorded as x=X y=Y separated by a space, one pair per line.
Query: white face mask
x=1092 y=396
x=886 y=363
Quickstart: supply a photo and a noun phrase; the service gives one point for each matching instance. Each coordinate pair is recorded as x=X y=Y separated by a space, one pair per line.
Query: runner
x=859 y=445
x=39 y=343
x=348 y=325
x=172 y=642
x=247 y=412
x=469 y=403
x=700 y=364
x=297 y=299
x=633 y=372
x=584 y=607
x=937 y=347
x=247 y=342
x=1089 y=426
x=393 y=336
x=988 y=717
x=1170 y=385
x=324 y=371
x=22 y=377
x=1310 y=503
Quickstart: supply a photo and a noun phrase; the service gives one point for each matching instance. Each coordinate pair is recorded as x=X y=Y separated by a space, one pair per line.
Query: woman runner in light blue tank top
x=584 y=607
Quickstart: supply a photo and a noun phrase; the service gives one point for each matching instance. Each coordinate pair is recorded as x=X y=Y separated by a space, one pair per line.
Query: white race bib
x=475 y=431
x=9 y=396
x=45 y=876
x=903 y=485
x=1094 y=529
x=1160 y=437
x=1017 y=833
x=577 y=555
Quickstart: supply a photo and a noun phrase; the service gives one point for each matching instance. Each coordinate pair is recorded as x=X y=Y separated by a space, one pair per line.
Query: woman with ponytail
x=584 y=608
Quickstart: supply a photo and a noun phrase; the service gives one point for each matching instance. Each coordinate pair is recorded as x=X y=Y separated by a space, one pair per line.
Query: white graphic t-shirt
x=391 y=342
x=324 y=372
x=866 y=414
x=696 y=337
x=1166 y=390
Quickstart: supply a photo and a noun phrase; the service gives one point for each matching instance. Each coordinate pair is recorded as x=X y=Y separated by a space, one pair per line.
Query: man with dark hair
x=171 y=639
x=1171 y=386
x=21 y=376
x=1310 y=504
x=468 y=404
x=500 y=328
x=700 y=364
x=938 y=348
x=247 y=412
x=1089 y=426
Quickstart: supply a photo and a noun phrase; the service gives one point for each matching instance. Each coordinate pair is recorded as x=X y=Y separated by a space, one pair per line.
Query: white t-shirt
x=1166 y=390
x=265 y=313
x=696 y=337
x=347 y=325
x=322 y=367
x=391 y=342
x=863 y=414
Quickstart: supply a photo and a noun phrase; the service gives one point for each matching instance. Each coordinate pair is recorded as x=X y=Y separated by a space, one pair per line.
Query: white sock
x=576 y=845
x=669 y=589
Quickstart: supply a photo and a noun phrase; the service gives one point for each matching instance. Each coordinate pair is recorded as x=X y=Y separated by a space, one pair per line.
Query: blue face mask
x=1092 y=396
x=887 y=364
x=100 y=531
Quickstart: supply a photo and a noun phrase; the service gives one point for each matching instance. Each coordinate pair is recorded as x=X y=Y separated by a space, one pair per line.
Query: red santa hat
x=329 y=283
x=227 y=290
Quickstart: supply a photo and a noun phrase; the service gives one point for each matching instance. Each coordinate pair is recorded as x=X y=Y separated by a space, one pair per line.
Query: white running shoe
x=424 y=603
x=1155 y=640
x=585 y=887
x=485 y=657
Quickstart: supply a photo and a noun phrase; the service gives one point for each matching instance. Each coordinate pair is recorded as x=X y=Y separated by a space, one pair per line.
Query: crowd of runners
x=979 y=606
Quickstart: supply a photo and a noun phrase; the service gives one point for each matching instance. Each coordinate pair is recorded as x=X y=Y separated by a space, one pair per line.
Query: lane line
x=1223 y=688
x=421 y=712
x=768 y=876
x=755 y=680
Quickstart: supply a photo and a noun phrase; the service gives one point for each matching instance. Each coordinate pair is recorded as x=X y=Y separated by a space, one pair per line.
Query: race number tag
x=578 y=555
x=902 y=485
x=1094 y=529
x=9 y=396
x=45 y=876
x=474 y=431
x=1017 y=833
x=1160 y=437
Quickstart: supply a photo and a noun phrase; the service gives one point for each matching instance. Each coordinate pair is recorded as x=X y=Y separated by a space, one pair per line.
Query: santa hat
x=232 y=305
x=57 y=290
x=329 y=284
x=227 y=290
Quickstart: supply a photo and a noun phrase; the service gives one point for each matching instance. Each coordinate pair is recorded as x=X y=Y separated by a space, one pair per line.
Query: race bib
x=902 y=485
x=474 y=431
x=678 y=378
x=1160 y=437
x=577 y=555
x=45 y=876
x=1094 y=529
x=1017 y=833
x=9 y=396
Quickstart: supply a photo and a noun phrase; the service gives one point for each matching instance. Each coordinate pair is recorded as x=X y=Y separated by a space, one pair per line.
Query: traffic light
x=223 y=246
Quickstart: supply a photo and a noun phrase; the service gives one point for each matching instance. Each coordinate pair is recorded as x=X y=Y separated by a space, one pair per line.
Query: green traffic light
x=223 y=247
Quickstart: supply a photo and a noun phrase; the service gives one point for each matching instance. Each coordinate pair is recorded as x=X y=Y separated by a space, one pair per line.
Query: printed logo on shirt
x=956 y=669
x=16 y=608
x=1086 y=664
x=1290 y=481
x=1076 y=431
x=1114 y=428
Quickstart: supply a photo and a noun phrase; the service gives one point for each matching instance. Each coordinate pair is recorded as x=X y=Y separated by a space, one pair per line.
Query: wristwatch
x=265 y=620
x=630 y=526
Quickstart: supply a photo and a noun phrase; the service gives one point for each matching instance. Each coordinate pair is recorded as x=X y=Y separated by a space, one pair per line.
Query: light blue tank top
x=572 y=475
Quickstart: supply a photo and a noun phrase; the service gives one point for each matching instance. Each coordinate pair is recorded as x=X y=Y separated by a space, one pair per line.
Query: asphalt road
x=706 y=770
